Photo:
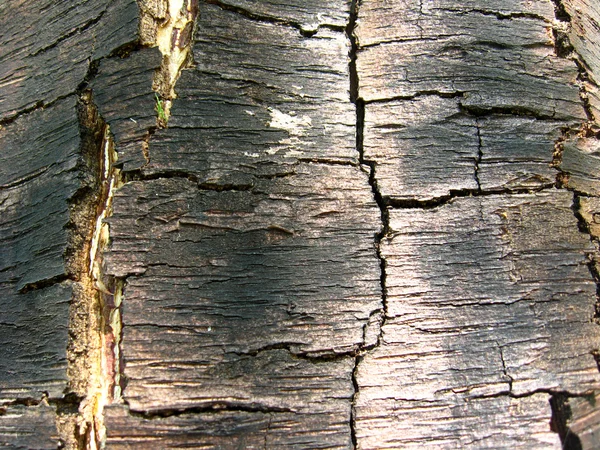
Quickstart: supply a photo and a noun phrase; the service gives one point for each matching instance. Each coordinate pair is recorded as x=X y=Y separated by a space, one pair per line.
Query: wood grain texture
x=39 y=174
x=261 y=98
x=226 y=289
x=482 y=307
x=46 y=55
x=476 y=63
x=228 y=429
x=28 y=428
x=309 y=15
x=581 y=163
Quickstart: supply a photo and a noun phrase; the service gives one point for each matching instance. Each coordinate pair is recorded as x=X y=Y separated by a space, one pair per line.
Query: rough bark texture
x=367 y=225
x=48 y=173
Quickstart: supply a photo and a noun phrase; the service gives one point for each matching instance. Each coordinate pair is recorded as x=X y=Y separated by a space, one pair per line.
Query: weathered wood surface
x=482 y=308
x=584 y=35
x=251 y=299
x=45 y=53
x=459 y=152
x=38 y=175
x=255 y=313
x=277 y=98
x=47 y=46
x=479 y=64
x=482 y=292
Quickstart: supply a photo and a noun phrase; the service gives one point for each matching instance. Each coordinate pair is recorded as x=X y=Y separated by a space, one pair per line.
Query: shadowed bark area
x=357 y=225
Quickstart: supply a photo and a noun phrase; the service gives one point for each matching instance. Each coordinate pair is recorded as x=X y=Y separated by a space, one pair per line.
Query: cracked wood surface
x=45 y=53
x=249 y=233
x=483 y=311
x=478 y=320
x=47 y=45
x=252 y=298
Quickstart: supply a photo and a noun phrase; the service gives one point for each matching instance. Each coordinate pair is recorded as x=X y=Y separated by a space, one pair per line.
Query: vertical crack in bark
x=169 y=25
x=369 y=167
x=95 y=327
x=559 y=403
x=505 y=370
x=479 y=154
x=561 y=413
x=95 y=361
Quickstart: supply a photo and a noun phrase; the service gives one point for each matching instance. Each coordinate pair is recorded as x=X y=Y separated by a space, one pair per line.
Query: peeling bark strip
x=169 y=25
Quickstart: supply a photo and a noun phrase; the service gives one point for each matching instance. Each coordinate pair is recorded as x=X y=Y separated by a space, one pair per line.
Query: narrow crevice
x=24 y=179
x=485 y=111
x=505 y=369
x=225 y=187
x=213 y=407
x=11 y=118
x=328 y=162
x=426 y=93
x=354 y=438
x=561 y=414
x=305 y=32
x=479 y=158
x=502 y=16
x=462 y=193
x=370 y=169
x=321 y=356
x=547 y=391
x=46 y=283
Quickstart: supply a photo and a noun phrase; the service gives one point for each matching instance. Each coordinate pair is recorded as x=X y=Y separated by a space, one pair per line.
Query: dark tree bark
x=355 y=225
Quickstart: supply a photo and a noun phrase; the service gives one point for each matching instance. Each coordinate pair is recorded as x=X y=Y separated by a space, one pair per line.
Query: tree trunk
x=294 y=225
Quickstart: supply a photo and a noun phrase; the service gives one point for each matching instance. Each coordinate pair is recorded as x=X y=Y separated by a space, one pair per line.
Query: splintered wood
x=45 y=175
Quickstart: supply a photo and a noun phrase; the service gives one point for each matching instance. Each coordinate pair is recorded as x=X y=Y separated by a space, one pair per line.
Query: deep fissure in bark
x=479 y=155
x=559 y=403
x=94 y=327
x=169 y=25
x=561 y=413
x=381 y=202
